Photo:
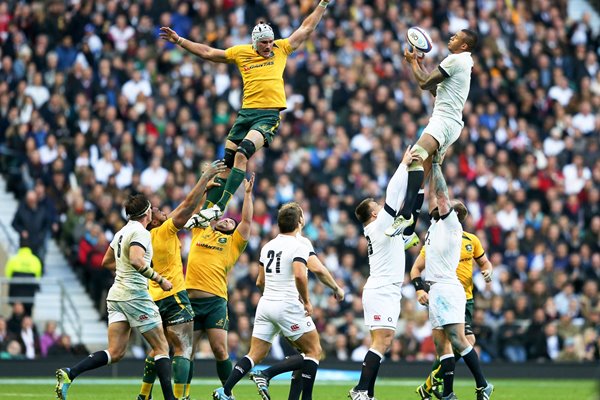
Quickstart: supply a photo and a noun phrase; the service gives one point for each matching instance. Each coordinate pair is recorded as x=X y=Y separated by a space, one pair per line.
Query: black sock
x=447 y=373
x=309 y=373
x=163 y=371
x=415 y=180
x=370 y=367
x=472 y=361
x=296 y=385
x=416 y=212
x=93 y=361
x=239 y=370
x=291 y=363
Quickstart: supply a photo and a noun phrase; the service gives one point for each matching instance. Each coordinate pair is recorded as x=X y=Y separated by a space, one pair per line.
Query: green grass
x=386 y=389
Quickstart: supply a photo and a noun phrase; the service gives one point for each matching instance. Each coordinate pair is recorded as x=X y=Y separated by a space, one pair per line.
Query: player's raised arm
x=247 y=210
x=184 y=211
x=437 y=187
x=301 y=34
x=426 y=80
x=198 y=49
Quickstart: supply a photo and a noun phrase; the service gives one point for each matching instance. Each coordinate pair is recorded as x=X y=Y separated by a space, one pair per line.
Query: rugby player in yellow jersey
x=261 y=65
x=174 y=306
x=471 y=249
x=214 y=251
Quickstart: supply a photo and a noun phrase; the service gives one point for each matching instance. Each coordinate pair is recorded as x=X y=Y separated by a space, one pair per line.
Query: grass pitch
x=386 y=389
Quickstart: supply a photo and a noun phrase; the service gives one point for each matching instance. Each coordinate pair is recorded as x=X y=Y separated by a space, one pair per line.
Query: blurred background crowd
x=93 y=107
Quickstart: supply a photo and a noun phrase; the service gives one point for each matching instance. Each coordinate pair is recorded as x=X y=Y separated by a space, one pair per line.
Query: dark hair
x=471 y=39
x=136 y=206
x=288 y=217
x=363 y=210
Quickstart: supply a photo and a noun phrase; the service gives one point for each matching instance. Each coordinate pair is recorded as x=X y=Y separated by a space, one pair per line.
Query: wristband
x=418 y=283
x=147 y=272
x=180 y=41
x=323 y=3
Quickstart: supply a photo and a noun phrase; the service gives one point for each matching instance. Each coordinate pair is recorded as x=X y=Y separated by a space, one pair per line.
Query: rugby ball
x=419 y=39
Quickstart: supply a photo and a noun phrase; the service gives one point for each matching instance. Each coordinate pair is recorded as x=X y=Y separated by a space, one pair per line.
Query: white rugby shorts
x=445 y=130
x=382 y=306
x=139 y=313
x=285 y=316
x=447 y=304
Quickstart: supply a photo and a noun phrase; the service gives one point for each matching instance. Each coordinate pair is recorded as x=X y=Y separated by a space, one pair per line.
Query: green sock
x=224 y=369
x=149 y=378
x=233 y=182
x=189 y=379
x=181 y=372
x=214 y=193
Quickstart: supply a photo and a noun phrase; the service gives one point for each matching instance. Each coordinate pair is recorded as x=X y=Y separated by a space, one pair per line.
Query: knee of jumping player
x=244 y=152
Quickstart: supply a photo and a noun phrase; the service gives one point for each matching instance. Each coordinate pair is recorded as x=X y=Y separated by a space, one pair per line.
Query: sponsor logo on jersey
x=377 y=317
x=265 y=64
x=143 y=317
x=222 y=240
x=295 y=327
x=209 y=247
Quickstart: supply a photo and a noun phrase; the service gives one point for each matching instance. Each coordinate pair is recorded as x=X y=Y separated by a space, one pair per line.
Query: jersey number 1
x=271 y=256
x=119 y=246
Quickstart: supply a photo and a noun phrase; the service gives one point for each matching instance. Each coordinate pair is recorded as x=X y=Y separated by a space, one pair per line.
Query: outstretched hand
x=249 y=184
x=215 y=168
x=168 y=34
x=409 y=55
x=409 y=156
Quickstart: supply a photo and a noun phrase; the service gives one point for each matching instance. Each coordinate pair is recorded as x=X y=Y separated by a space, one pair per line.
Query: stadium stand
x=94 y=106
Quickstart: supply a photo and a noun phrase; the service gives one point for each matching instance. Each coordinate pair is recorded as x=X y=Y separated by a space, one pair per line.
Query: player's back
x=130 y=284
x=277 y=257
x=443 y=246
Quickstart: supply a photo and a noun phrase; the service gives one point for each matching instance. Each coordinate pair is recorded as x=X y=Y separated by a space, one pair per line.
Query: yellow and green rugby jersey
x=166 y=259
x=262 y=77
x=212 y=255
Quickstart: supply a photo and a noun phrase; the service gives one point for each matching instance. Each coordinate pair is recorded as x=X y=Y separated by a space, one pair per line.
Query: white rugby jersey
x=277 y=258
x=453 y=91
x=386 y=254
x=442 y=246
x=129 y=283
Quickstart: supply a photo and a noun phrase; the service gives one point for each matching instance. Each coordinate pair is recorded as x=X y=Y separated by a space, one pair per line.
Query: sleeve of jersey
x=478 y=250
x=170 y=226
x=231 y=54
x=141 y=238
x=448 y=66
x=285 y=46
x=302 y=254
x=308 y=244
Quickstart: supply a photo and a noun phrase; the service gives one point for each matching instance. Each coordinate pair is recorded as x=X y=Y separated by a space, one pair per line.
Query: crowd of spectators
x=93 y=106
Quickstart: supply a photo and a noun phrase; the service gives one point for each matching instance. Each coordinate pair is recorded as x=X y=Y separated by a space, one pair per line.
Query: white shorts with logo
x=447 y=304
x=382 y=306
x=139 y=313
x=445 y=130
x=285 y=316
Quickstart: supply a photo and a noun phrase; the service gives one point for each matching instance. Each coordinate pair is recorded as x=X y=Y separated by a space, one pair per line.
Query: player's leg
x=148 y=378
x=155 y=336
x=118 y=337
x=214 y=193
x=291 y=363
x=410 y=237
x=310 y=345
x=456 y=335
x=426 y=146
x=217 y=338
x=443 y=349
x=180 y=339
x=381 y=342
x=258 y=351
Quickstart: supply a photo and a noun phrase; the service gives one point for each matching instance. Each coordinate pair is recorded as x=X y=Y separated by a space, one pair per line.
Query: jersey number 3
x=271 y=256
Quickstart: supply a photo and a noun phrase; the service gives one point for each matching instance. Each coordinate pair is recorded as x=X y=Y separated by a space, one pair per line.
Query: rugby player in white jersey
x=450 y=83
x=128 y=302
x=295 y=362
x=446 y=298
x=382 y=292
x=285 y=305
